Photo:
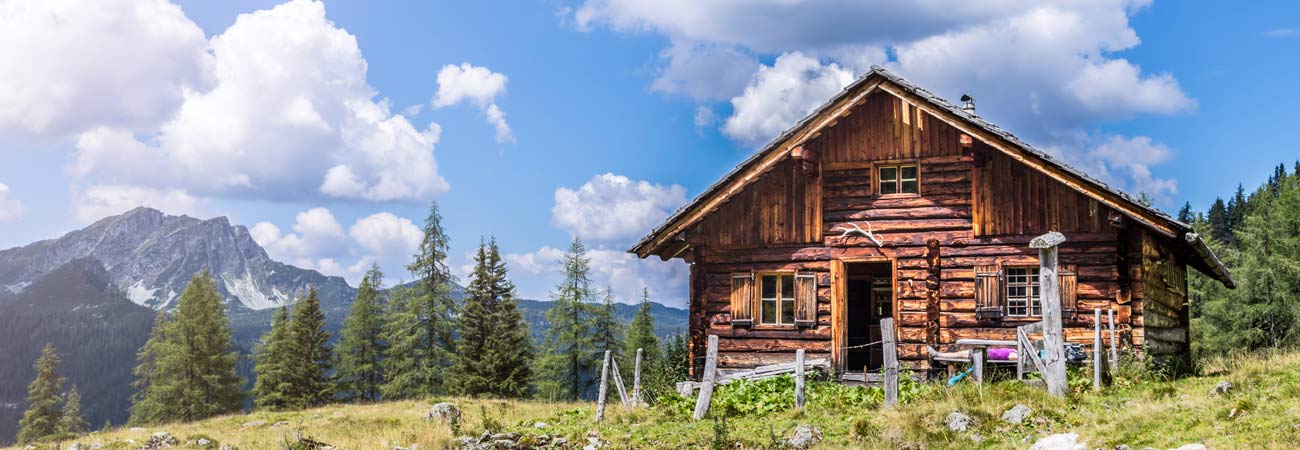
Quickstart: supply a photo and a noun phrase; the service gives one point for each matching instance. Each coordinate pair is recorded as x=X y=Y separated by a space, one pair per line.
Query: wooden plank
x=618 y=382
x=798 y=379
x=1050 y=299
x=1096 y=350
x=710 y=373
x=890 y=353
x=604 y=387
x=1114 y=353
x=636 y=380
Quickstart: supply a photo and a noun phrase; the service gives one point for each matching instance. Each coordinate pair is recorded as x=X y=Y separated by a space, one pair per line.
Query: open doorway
x=869 y=293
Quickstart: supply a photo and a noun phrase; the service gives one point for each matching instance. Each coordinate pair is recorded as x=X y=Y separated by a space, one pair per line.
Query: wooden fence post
x=710 y=374
x=636 y=380
x=891 y=361
x=977 y=361
x=1097 y=349
x=1050 y=300
x=1114 y=352
x=798 y=379
x=604 y=387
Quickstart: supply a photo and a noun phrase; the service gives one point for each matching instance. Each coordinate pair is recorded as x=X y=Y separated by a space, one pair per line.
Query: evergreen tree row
x=49 y=414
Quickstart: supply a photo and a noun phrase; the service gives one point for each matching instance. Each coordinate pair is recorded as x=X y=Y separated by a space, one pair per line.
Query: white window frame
x=1022 y=290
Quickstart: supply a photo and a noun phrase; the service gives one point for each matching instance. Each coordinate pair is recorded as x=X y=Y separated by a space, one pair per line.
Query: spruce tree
x=358 y=372
x=42 y=416
x=72 y=422
x=641 y=335
x=1218 y=221
x=607 y=331
x=188 y=372
x=419 y=330
x=568 y=366
x=272 y=361
x=309 y=373
x=677 y=358
x=494 y=354
x=1185 y=213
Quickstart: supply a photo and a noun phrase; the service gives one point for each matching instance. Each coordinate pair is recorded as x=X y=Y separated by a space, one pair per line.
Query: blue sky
x=310 y=122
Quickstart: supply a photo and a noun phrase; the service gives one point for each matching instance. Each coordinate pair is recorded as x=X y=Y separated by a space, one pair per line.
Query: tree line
x=411 y=341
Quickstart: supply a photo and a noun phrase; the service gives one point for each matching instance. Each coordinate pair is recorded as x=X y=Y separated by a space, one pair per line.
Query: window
x=776 y=299
x=1022 y=292
x=898 y=179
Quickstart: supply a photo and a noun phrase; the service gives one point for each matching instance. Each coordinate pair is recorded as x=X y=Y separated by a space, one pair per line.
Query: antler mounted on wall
x=852 y=229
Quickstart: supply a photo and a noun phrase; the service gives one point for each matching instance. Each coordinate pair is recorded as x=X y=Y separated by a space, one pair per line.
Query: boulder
x=805 y=436
x=160 y=440
x=1016 y=415
x=280 y=424
x=75 y=446
x=539 y=425
x=1223 y=388
x=1192 y=446
x=1066 y=441
x=255 y=423
x=446 y=413
x=959 y=422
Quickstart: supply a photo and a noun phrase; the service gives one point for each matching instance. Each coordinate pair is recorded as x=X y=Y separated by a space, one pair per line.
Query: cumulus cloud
x=781 y=94
x=545 y=259
x=317 y=235
x=479 y=86
x=626 y=274
x=11 y=209
x=289 y=115
x=704 y=72
x=390 y=240
x=1128 y=161
x=99 y=201
x=70 y=66
x=613 y=208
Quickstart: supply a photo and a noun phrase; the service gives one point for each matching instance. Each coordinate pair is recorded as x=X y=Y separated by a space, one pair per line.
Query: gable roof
x=878 y=78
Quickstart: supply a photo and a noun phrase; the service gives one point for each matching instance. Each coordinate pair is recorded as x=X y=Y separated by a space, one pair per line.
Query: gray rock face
x=805 y=436
x=958 y=422
x=445 y=413
x=152 y=256
x=1016 y=415
x=1066 y=441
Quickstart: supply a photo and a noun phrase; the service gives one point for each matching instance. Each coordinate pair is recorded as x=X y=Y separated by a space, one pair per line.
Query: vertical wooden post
x=618 y=383
x=977 y=360
x=1097 y=349
x=604 y=387
x=891 y=361
x=710 y=374
x=636 y=380
x=1050 y=300
x=1114 y=352
x=798 y=379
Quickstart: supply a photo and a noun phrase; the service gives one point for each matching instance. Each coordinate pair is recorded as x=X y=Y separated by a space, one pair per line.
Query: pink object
x=1002 y=354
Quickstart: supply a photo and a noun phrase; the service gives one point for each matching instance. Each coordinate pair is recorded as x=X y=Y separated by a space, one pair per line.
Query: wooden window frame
x=898 y=181
x=1032 y=278
x=758 y=301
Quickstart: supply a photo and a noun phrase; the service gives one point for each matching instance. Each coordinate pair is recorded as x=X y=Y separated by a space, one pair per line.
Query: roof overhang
x=666 y=239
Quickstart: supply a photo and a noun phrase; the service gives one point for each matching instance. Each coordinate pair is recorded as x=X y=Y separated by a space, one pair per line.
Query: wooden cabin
x=888 y=201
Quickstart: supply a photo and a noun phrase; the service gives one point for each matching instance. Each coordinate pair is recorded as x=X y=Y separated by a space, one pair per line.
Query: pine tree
x=641 y=335
x=494 y=352
x=419 y=330
x=1145 y=199
x=1185 y=213
x=607 y=331
x=272 y=360
x=358 y=372
x=677 y=358
x=1237 y=210
x=310 y=385
x=72 y=422
x=568 y=366
x=187 y=368
x=42 y=416
x=1218 y=222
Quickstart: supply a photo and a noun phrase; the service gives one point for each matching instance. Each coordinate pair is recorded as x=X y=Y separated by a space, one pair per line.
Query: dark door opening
x=870 y=298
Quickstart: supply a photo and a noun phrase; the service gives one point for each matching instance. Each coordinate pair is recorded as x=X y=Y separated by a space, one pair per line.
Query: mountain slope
x=95 y=328
x=151 y=256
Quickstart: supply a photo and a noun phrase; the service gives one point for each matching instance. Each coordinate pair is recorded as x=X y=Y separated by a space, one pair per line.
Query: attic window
x=898 y=179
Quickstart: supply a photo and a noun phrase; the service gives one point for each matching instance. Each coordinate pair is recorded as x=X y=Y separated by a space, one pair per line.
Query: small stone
x=959 y=422
x=976 y=437
x=539 y=425
x=560 y=442
x=1016 y=415
x=445 y=412
x=226 y=447
x=255 y=423
x=1066 y=441
x=203 y=441
x=75 y=446
x=1223 y=388
x=136 y=429
x=504 y=444
x=1192 y=446
x=805 y=436
x=1122 y=447
x=29 y=447
x=280 y=424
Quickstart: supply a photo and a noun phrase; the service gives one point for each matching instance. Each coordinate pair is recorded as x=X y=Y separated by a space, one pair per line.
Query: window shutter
x=805 y=299
x=1069 y=280
x=988 y=292
x=742 y=299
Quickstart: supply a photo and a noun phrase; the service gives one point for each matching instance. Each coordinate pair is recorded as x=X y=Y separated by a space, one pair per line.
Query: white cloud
x=70 y=65
x=99 y=201
x=1120 y=158
x=479 y=86
x=704 y=72
x=389 y=239
x=539 y=271
x=780 y=95
x=316 y=235
x=545 y=259
x=290 y=115
x=612 y=208
x=10 y=208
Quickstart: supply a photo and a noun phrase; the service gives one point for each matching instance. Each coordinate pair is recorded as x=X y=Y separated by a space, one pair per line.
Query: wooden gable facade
x=888 y=202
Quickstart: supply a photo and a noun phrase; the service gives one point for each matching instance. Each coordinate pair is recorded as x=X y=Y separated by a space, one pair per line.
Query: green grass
x=1139 y=410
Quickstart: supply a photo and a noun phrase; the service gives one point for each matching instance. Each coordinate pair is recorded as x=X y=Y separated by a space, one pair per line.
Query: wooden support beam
x=710 y=374
x=1114 y=352
x=890 y=350
x=604 y=387
x=977 y=362
x=798 y=379
x=636 y=380
x=1050 y=300
x=618 y=383
x=1097 y=350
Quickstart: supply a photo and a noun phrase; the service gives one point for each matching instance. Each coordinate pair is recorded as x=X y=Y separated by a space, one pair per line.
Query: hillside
x=1262 y=410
